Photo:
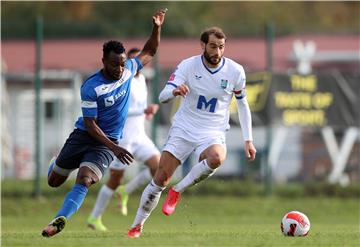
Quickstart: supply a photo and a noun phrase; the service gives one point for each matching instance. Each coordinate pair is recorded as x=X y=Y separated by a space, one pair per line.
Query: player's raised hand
x=250 y=150
x=123 y=155
x=159 y=17
x=181 y=90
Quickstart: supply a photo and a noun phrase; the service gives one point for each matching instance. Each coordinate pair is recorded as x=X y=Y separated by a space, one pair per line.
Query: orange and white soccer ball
x=295 y=224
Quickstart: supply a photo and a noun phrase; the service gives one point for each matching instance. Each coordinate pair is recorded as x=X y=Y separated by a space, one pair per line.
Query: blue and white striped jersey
x=108 y=100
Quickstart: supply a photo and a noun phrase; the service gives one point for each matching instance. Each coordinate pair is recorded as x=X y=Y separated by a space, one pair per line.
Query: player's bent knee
x=115 y=178
x=215 y=160
x=153 y=171
x=162 y=178
x=53 y=184
x=161 y=183
x=56 y=180
x=88 y=174
x=113 y=183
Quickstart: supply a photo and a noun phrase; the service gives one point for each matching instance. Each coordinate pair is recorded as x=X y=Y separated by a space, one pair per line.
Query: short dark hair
x=114 y=46
x=218 y=32
x=133 y=50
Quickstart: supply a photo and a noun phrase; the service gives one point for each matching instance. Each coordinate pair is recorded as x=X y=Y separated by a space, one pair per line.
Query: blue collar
x=215 y=71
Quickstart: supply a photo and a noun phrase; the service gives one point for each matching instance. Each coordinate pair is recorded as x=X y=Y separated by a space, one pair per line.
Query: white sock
x=140 y=179
x=199 y=172
x=102 y=201
x=148 y=202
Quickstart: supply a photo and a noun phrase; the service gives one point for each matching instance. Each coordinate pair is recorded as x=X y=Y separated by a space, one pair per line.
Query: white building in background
x=60 y=105
x=6 y=157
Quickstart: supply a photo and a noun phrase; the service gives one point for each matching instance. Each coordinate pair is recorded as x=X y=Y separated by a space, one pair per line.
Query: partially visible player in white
x=207 y=82
x=136 y=142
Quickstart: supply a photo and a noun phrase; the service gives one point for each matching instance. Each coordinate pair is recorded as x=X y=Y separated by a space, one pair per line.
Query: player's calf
x=123 y=197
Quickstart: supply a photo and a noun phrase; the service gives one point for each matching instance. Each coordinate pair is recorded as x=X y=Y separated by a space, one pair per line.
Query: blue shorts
x=81 y=147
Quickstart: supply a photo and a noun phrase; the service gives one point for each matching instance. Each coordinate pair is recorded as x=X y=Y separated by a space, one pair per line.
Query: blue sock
x=73 y=201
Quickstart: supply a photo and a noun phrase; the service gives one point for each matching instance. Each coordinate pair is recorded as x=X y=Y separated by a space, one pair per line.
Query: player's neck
x=104 y=74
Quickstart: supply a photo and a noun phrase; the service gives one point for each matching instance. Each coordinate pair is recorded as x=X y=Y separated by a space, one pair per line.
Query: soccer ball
x=294 y=224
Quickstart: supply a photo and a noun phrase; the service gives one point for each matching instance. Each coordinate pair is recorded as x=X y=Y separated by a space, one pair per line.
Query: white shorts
x=180 y=145
x=142 y=148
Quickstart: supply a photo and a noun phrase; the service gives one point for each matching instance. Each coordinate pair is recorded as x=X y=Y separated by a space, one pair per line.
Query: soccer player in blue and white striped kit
x=92 y=144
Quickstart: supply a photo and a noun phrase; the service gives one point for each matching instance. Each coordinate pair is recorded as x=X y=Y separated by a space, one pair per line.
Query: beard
x=211 y=60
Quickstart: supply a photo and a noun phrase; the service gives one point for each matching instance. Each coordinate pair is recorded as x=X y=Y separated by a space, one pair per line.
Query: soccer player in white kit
x=207 y=82
x=136 y=142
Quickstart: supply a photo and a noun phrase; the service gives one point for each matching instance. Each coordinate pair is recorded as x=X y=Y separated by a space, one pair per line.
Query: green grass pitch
x=198 y=221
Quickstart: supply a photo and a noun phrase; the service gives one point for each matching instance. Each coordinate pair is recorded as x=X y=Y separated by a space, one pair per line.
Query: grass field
x=198 y=221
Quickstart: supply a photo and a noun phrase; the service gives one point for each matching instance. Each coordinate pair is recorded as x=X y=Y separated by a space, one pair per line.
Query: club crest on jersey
x=224 y=83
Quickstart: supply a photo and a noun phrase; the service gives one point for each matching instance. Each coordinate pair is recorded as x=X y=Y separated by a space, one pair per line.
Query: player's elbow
x=152 y=52
x=162 y=98
x=149 y=51
x=162 y=101
x=90 y=123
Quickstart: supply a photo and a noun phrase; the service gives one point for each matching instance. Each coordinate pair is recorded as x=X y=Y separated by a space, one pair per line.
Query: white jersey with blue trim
x=108 y=100
x=206 y=107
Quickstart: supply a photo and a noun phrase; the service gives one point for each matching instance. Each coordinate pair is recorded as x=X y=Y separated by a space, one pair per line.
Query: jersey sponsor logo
x=109 y=101
x=120 y=94
x=203 y=103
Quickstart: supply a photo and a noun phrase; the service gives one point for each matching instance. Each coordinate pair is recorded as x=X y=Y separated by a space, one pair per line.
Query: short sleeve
x=88 y=102
x=136 y=64
x=178 y=77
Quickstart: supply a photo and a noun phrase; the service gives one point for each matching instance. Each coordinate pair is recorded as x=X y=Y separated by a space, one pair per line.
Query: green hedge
x=213 y=186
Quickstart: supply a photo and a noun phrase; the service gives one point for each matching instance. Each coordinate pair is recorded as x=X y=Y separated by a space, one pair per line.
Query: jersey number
x=203 y=103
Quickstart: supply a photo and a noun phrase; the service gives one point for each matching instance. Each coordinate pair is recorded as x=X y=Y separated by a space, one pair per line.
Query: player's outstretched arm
x=169 y=92
x=150 y=47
